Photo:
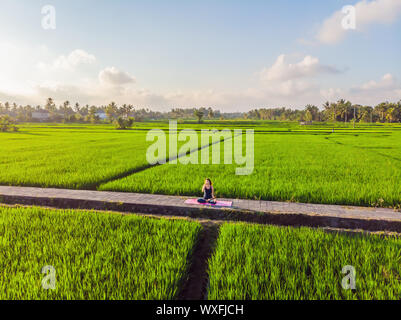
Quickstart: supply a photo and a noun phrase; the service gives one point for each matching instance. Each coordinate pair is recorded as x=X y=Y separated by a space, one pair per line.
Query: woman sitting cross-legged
x=208 y=193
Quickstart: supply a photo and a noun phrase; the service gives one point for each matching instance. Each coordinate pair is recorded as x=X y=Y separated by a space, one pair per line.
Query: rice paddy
x=282 y=263
x=291 y=163
x=100 y=255
x=75 y=157
x=95 y=255
x=351 y=168
x=359 y=167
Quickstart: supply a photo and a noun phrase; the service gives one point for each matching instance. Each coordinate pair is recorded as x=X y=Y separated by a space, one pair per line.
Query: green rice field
x=75 y=157
x=312 y=164
x=268 y=262
x=95 y=255
x=352 y=168
x=99 y=255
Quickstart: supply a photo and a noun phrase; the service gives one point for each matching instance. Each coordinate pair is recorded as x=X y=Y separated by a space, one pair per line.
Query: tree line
x=342 y=110
x=68 y=112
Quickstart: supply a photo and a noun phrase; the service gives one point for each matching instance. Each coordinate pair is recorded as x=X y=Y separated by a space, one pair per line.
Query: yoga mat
x=218 y=203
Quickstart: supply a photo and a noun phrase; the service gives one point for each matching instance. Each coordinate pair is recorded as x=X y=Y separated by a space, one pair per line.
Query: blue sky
x=224 y=54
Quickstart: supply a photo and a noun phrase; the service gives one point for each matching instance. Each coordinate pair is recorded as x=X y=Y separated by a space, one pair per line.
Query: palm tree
x=111 y=111
x=344 y=108
x=77 y=108
x=50 y=106
x=210 y=113
x=382 y=109
x=126 y=110
x=313 y=110
x=330 y=110
x=199 y=114
x=308 y=116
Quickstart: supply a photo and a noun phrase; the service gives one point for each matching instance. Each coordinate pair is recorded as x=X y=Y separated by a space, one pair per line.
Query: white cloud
x=290 y=93
x=6 y=97
x=75 y=59
x=288 y=88
x=287 y=82
x=331 y=31
x=283 y=71
x=291 y=80
x=372 y=92
x=387 y=82
x=367 y=13
x=113 y=76
x=62 y=92
x=332 y=94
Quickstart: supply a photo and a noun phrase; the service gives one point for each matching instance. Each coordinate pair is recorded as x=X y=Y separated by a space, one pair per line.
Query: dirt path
x=254 y=211
x=196 y=283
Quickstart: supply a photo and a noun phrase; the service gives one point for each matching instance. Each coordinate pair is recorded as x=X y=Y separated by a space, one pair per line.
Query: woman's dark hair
x=210 y=181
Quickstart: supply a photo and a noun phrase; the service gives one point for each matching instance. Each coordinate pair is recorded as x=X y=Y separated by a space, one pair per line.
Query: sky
x=227 y=54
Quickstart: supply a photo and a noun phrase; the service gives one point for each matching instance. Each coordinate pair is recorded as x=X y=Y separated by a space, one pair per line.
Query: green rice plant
x=292 y=162
x=95 y=255
x=75 y=157
x=358 y=168
x=269 y=262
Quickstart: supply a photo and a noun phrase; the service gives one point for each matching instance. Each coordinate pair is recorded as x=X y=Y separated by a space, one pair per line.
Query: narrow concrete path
x=268 y=212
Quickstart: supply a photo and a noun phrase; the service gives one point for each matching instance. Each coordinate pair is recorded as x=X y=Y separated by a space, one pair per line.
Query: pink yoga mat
x=218 y=203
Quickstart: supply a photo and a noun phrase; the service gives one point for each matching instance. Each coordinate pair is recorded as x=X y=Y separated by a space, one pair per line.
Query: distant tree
x=313 y=112
x=175 y=113
x=330 y=111
x=199 y=114
x=15 y=107
x=308 y=115
x=392 y=113
x=126 y=110
x=381 y=110
x=365 y=114
x=50 y=105
x=24 y=114
x=124 y=123
x=84 y=110
x=77 y=108
x=7 y=124
x=210 y=113
x=7 y=107
x=66 y=110
x=92 y=117
x=111 y=111
x=255 y=114
x=344 y=108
